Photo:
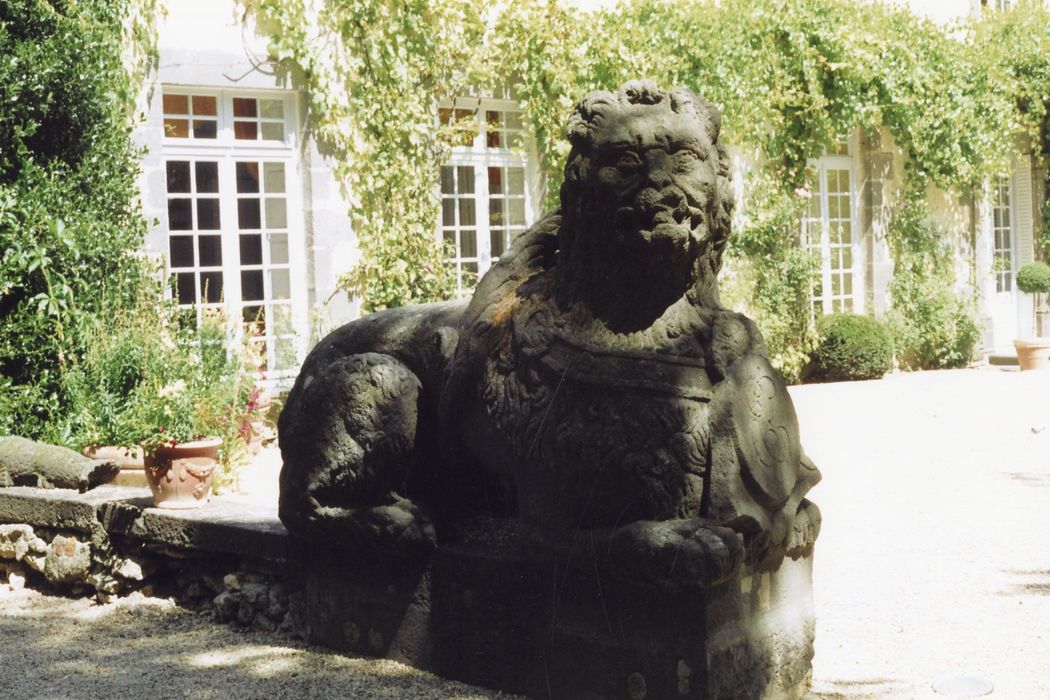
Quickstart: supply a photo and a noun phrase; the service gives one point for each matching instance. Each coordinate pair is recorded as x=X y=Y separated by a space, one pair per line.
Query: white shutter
x=1023 y=210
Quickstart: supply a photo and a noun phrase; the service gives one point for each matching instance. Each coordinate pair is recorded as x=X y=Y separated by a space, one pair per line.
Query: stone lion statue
x=593 y=389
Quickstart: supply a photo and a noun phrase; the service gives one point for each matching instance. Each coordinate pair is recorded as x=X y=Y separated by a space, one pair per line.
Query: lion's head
x=647 y=198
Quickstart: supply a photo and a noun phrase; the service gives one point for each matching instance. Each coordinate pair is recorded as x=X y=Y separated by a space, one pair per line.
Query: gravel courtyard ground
x=934 y=559
x=934 y=562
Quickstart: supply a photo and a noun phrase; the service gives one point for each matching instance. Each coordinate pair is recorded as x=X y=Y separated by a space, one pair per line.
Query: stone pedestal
x=484 y=610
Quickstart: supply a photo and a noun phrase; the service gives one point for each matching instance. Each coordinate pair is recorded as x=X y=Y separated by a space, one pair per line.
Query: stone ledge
x=223 y=526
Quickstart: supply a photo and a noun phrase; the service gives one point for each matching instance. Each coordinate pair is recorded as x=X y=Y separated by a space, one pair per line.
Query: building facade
x=249 y=218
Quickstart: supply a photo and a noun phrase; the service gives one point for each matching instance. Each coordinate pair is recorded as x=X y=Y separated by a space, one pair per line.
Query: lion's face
x=652 y=183
x=646 y=204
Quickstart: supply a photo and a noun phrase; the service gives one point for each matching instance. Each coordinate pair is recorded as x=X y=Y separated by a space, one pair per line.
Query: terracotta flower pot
x=1033 y=353
x=180 y=476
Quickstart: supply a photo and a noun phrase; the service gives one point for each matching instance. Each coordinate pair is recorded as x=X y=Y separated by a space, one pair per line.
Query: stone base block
x=482 y=609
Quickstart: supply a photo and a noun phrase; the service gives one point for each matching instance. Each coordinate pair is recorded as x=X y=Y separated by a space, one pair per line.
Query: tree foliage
x=69 y=224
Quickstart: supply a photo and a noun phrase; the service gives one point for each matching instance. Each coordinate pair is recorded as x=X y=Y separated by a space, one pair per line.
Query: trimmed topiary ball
x=1034 y=278
x=851 y=347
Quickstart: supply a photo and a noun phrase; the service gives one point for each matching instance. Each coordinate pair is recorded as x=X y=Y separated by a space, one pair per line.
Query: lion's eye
x=685 y=160
x=628 y=160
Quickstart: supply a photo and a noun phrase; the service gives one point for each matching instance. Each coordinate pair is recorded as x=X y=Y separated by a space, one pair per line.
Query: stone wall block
x=16 y=541
x=226 y=606
x=133 y=569
x=67 y=560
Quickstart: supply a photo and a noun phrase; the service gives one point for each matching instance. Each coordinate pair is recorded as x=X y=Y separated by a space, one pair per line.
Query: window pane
x=245 y=131
x=251 y=285
x=180 y=248
x=204 y=105
x=468 y=244
x=273 y=176
x=204 y=129
x=280 y=287
x=207 y=214
x=210 y=248
x=517 y=212
x=492 y=139
x=273 y=131
x=495 y=180
x=247 y=177
x=284 y=351
x=513 y=120
x=448 y=212
x=185 y=288
x=207 y=176
x=178 y=176
x=248 y=214
x=180 y=215
x=516 y=180
x=176 y=104
x=211 y=287
x=448 y=181
x=244 y=107
x=177 y=128
x=276 y=212
x=467 y=212
x=251 y=249
x=278 y=248
x=495 y=212
x=252 y=313
x=465 y=175
x=271 y=109
x=496 y=242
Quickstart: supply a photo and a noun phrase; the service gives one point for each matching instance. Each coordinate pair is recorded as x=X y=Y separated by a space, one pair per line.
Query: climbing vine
x=791 y=78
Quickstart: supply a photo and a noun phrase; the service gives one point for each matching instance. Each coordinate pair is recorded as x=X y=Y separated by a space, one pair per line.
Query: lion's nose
x=657 y=172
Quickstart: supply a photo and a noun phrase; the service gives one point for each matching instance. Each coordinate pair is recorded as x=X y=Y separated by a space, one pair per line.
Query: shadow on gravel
x=70 y=649
x=1030 y=478
x=1028 y=582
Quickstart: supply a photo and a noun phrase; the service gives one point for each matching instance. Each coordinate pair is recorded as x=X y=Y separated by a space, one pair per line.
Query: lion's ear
x=587 y=116
x=715 y=117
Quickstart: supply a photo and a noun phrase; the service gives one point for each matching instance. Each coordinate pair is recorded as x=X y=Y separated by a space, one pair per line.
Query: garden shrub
x=1034 y=278
x=69 y=225
x=850 y=347
x=933 y=327
x=766 y=251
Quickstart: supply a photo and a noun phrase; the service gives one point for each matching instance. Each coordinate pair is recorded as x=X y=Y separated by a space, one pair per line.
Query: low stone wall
x=228 y=556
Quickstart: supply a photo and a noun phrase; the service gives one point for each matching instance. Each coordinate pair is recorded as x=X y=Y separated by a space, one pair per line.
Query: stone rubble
x=68 y=562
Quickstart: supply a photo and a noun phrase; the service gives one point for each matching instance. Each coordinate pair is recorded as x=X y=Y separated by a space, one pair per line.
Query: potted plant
x=192 y=412
x=100 y=384
x=1034 y=353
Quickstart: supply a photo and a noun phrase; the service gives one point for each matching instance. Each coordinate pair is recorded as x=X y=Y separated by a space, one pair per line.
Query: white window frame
x=480 y=157
x=826 y=303
x=1004 y=276
x=227 y=151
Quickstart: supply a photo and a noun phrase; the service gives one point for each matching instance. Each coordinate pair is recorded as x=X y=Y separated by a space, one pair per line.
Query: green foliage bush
x=850 y=347
x=68 y=223
x=777 y=273
x=147 y=379
x=933 y=327
x=1034 y=278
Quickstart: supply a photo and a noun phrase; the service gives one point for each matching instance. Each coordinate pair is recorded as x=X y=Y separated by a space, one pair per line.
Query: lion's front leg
x=347 y=446
x=684 y=553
